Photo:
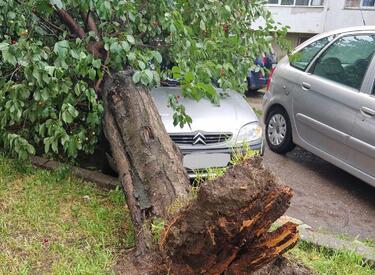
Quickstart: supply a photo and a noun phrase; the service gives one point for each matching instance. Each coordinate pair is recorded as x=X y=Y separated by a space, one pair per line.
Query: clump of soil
x=284 y=266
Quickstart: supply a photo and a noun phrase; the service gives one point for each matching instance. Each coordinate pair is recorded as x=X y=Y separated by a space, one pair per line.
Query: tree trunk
x=224 y=228
x=149 y=164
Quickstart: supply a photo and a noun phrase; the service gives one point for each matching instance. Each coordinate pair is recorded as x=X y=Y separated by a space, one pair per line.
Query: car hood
x=229 y=116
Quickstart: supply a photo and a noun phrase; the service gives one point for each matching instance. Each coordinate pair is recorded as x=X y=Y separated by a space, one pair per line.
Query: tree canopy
x=55 y=55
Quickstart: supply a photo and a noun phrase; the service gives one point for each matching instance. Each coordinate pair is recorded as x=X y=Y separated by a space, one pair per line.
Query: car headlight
x=250 y=132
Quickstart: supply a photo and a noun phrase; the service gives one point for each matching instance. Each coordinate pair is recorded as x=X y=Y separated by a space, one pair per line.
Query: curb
x=330 y=241
x=98 y=178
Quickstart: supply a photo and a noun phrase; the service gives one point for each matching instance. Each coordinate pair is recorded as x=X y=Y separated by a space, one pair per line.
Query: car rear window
x=302 y=58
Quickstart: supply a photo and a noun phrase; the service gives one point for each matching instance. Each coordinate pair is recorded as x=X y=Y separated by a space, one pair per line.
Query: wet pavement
x=325 y=197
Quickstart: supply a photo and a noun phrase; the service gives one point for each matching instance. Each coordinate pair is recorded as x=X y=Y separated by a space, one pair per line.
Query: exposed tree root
x=226 y=228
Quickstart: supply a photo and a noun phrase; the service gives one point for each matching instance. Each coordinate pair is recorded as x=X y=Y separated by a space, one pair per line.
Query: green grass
x=330 y=262
x=53 y=223
x=258 y=112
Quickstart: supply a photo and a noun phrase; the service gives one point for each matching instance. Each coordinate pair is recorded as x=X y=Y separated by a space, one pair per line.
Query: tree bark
x=149 y=164
x=224 y=228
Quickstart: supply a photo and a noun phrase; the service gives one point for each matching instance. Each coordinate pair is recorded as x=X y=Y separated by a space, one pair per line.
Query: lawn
x=327 y=261
x=53 y=223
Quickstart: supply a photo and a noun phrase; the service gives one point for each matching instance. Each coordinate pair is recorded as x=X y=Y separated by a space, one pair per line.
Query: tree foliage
x=56 y=53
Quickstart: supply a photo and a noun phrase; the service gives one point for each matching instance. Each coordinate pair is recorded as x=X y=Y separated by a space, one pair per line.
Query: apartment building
x=309 y=17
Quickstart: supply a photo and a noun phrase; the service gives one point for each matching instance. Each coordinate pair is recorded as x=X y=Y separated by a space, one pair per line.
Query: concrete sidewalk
x=330 y=241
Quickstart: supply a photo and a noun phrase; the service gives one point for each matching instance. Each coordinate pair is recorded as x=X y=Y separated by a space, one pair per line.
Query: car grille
x=200 y=138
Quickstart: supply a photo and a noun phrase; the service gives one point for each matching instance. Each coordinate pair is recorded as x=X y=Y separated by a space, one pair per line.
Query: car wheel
x=279 y=131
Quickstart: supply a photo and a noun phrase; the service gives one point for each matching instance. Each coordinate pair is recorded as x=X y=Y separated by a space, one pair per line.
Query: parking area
x=325 y=197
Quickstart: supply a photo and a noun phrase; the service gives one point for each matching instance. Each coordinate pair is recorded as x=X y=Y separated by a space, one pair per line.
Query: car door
x=362 y=141
x=326 y=102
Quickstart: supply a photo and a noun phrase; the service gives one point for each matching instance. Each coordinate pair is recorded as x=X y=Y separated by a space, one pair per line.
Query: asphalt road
x=325 y=197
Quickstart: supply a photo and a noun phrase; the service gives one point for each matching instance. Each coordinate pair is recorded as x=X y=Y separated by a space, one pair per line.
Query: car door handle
x=306 y=86
x=367 y=112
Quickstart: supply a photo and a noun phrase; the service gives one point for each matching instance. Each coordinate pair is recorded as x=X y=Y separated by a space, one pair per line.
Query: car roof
x=335 y=32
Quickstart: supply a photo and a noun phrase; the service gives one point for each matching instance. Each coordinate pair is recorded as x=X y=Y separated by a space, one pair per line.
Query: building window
x=317 y=3
x=368 y=3
x=311 y=3
x=302 y=2
x=287 y=2
x=359 y=3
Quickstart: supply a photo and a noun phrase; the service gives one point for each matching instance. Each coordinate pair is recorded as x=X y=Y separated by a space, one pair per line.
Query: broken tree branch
x=74 y=27
x=90 y=23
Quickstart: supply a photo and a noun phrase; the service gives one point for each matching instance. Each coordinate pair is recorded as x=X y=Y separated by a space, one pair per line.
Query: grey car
x=216 y=131
x=322 y=98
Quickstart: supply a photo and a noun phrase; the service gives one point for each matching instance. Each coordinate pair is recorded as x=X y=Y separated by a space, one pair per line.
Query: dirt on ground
x=284 y=266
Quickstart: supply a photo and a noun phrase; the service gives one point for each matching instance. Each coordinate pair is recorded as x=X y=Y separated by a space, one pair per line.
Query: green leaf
x=8 y=57
x=131 y=56
x=115 y=47
x=58 y=4
x=92 y=74
x=202 y=25
x=189 y=77
x=4 y=46
x=130 y=39
x=47 y=145
x=36 y=75
x=96 y=63
x=141 y=65
x=125 y=46
x=131 y=16
x=150 y=75
x=157 y=56
x=136 y=77
x=11 y=15
x=61 y=48
x=107 y=5
x=68 y=113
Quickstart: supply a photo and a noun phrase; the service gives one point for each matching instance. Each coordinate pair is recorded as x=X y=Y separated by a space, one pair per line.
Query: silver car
x=322 y=97
x=216 y=131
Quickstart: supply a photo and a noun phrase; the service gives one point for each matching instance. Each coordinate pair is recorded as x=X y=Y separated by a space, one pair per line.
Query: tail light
x=270 y=78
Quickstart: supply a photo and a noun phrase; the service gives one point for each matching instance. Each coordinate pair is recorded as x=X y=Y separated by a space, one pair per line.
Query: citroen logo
x=199 y=138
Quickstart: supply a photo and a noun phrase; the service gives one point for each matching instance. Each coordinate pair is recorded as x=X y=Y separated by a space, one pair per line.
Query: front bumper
x=204 y=169
x=258 y=147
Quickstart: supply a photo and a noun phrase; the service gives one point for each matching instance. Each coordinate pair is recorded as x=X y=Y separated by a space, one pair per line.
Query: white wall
x=339 y=17
x=300 y=19
x=320 y=19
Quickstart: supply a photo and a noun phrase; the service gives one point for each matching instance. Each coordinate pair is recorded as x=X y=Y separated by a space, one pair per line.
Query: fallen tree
x=224 y=229
x=65 y=63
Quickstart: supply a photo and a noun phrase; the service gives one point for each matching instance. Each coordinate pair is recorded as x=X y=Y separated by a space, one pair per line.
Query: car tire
x=279 y=131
